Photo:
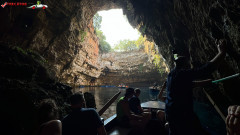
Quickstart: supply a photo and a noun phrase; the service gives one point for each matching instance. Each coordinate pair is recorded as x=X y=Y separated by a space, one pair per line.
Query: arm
x=140 y=108
x=101 y=130
x=127 y=112
x=221 y=53
x=53 y=127
x=202 y=83
x=161 y=92
x=233 y=121
x=207 y=69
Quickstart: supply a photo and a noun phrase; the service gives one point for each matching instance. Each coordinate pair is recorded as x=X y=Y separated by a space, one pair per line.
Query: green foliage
x=140 y=42
x=125 y=45
x=97 y=20
x=32 y=54
x=128 y=45
x=83 y=35
x=140 y=67
x=158 y=62
x=104 y=45
x=21 y=50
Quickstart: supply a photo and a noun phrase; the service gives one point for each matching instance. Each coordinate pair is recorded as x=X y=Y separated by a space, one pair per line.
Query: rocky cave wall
x=133 y=68
x=191 y=27
x=63 y=35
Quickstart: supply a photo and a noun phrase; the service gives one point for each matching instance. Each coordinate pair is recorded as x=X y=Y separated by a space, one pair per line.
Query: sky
x=116 y=27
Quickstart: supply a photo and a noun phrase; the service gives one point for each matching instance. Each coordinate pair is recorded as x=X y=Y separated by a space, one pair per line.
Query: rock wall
x=133 y=68
x=191 y=27
x=24 y=82
x=63 y=34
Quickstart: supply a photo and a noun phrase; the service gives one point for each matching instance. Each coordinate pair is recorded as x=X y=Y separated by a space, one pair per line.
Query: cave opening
x=114 y=27
x=126 y=59
x=122 y=49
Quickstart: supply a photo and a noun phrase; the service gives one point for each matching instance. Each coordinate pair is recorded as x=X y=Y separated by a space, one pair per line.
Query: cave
x=42 y=48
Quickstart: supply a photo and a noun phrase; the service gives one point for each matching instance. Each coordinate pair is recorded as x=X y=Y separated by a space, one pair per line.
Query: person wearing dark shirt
x=82 y=121
x=135 y=104
x=179 y=103
x=125 y=116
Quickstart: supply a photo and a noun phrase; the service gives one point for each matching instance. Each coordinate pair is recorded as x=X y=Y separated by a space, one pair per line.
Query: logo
x=3 y=5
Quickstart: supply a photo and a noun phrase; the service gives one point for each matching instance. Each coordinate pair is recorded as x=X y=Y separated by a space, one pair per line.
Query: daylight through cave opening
x=126 y=56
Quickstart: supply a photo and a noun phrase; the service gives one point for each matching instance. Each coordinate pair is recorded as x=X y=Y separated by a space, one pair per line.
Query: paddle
x=105 y=107
x=226 y=78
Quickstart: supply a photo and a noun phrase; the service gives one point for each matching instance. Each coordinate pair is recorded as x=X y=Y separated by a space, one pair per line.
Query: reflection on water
x=103 y=95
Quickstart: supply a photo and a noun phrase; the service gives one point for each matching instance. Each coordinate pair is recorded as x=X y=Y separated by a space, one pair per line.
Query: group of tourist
x=81 y=121
x=178 y=114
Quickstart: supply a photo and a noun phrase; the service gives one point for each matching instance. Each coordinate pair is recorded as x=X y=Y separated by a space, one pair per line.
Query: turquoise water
x=206 y=113
x=210 y=118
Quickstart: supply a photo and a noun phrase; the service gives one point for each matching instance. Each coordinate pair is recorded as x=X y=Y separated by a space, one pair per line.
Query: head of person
x=77 y=100
x=129 y=92
x=182 y=62
x=47 y=111
x=137 y=92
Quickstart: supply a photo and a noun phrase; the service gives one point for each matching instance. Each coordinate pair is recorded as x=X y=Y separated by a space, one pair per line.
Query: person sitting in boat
x=161 y=114
x=125 y=117
x=82 y=121
x=135 y=105
x=155 y=85
x=48 y=118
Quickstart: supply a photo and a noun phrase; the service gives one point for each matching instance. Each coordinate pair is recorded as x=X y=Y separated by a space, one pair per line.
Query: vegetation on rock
x=143 y=44
x=104 y=46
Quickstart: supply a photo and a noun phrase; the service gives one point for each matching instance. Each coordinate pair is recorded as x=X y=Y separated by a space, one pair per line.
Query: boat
x=106 y=86
x=154 y=89
x=111 y=123
x=122 y=86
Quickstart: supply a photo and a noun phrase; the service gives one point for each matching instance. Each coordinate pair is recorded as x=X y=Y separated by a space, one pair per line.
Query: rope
x=226 y=78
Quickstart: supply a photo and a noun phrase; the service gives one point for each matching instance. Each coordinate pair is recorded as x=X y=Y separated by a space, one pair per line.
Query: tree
x=104 y=45
x=97 y=20
x=125 y=45
x=140 y=42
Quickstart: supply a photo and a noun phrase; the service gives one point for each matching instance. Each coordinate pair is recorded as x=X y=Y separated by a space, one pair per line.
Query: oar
x=226 y=78
x=105 y=107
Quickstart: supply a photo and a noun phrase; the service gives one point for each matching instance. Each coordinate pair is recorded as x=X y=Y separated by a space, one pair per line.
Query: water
x=206 y=113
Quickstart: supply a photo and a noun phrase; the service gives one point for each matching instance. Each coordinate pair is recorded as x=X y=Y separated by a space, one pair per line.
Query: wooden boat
x=111 y=123
x=122 y=86
x=154 y=89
